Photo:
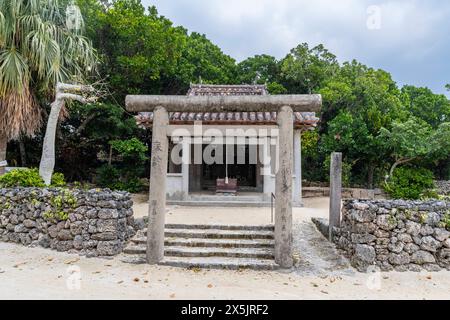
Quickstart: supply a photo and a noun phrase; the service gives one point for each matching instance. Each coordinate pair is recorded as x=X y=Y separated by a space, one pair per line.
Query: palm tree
x=40 y=45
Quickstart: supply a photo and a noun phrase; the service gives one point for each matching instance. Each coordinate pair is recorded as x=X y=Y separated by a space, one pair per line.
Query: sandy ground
x=36 y=273
x=315 y=207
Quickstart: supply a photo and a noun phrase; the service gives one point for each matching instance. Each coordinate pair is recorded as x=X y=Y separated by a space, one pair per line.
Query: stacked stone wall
x=92 y=223
x=395 y=235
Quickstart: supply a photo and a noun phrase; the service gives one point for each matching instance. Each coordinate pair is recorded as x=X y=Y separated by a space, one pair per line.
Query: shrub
x=124 y=174
x=110 y=177
x=131 y=150
x=409 y=183
x=58 y=180
x=107 y=176
x=29 y=178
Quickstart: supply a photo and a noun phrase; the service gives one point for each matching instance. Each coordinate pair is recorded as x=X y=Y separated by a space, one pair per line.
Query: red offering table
x=230 y=187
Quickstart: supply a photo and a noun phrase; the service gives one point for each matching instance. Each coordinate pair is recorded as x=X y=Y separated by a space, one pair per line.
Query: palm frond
x=37 y=50
x=14 y=71
x=2 y=30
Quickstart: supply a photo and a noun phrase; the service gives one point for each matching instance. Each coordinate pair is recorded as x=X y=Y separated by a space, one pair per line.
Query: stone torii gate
x=284 y=105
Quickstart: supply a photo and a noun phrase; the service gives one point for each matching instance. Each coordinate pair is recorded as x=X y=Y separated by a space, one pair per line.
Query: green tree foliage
x=372 y=94
x=424 y=104
x=143 y=52
x=304 y=70
x=415 y=139
x=132 y=151
x=201 y=60
x=312 y=168
x=357 y=102
x=260 y=69
x=136 y=46
x=124 y=174
x=409 y=183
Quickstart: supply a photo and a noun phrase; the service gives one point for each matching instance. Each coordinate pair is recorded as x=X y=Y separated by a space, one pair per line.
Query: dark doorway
x=245 y=173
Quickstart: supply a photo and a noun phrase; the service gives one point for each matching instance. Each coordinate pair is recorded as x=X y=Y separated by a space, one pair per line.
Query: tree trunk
x=23 y=153
x=110 y=155
x=48 y=151
x=3 y=143
x=395 y=165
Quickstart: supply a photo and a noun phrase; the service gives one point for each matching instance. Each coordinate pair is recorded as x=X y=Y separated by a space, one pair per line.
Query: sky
x=408 y=38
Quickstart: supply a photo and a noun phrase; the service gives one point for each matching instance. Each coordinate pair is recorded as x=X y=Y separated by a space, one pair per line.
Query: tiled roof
x=227 y=90
x=306 y=120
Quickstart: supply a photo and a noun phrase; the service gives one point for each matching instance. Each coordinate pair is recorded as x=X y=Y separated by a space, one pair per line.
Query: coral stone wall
x=92 y=223
x=443 y=187
x=395 y=235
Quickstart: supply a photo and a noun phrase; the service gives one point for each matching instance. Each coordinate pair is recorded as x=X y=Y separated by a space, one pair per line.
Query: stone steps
x=213 y=234
x=209 y=262
x=219 y=198
x=218 y=243
x=224 y=203
x=221 y=227
x=174 y=251
x=210 y=246
x=218 y=234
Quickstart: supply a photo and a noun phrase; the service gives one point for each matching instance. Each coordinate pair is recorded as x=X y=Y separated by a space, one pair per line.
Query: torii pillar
x=157 y=198
x=285 y=105
x=283 y=189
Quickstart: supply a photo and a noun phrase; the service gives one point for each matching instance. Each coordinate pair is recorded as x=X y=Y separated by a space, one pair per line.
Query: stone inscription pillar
x=158 y=176
x=335 y=191
x=283 y=189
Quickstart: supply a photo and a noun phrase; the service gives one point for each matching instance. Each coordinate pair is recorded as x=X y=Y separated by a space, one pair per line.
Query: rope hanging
x=226 y=164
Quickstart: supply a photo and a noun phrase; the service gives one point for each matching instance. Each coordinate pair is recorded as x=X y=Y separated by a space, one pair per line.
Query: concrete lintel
x=267 y=103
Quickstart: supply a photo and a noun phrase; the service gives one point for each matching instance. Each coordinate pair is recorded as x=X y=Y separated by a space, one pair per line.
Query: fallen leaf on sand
x=19 y=264
x=71 y=261
x=334 y=279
